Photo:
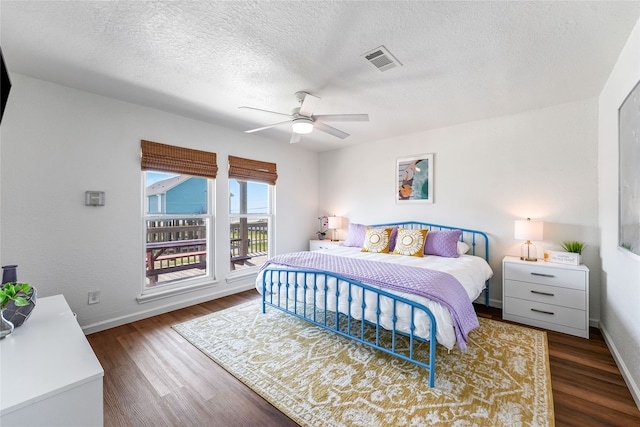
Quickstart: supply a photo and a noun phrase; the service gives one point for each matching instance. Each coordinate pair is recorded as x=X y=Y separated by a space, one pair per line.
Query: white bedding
x=471 y=271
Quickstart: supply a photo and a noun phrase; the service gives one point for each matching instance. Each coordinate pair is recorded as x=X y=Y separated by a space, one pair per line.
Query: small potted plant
x=575 y=247
x=324 y=223
x=13 y=296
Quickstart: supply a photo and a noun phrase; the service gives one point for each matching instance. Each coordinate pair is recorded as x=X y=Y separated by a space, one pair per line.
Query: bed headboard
x=477 y=240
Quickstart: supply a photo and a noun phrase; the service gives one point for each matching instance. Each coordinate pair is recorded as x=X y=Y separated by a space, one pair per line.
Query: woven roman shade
x=168 y=158
x=252 y=170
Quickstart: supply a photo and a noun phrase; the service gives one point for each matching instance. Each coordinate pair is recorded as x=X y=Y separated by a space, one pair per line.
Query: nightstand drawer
x=544 y=275
x=555 y=295
x=561 y=316
x=316 y=245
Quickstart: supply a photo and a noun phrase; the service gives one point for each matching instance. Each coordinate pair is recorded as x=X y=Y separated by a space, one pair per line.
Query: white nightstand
x=316 y=245
x=546 y=295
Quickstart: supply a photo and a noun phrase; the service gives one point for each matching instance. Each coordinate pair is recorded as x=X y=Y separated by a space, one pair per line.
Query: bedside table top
x=543 y=263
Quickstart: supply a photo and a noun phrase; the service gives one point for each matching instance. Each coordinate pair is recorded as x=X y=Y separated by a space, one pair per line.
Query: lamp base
x=528 y=252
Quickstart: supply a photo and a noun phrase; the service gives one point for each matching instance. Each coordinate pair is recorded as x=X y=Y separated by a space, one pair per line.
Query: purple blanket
x=435 y=285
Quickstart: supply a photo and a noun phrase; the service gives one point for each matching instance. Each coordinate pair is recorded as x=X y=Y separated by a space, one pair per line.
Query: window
x=178 y=214
x=251 y=186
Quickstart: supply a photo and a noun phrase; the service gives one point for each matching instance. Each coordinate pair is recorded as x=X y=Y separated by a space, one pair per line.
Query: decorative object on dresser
x=18 y=302
x=528 y=230
x=9 y=273
x=13 y=298
x=550 y=296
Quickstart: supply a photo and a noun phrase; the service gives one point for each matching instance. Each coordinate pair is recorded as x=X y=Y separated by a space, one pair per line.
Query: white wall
x=540 y=164
x=59 y=142
x=620 y=294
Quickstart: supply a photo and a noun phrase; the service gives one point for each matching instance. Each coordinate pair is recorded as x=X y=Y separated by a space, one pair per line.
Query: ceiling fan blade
x=342 y=117
x=266 y=111
x=295 y=137
x=266 y=127
x=330 y=130
x=308 y=105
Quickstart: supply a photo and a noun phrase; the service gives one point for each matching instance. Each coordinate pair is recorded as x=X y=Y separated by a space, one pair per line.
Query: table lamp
x=528 y=230
x=334 y=222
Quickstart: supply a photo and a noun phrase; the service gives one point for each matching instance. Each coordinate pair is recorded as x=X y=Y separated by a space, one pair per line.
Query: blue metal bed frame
x=291 y=278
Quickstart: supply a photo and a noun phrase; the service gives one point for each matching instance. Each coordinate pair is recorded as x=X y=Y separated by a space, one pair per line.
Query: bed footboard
x=349 y=308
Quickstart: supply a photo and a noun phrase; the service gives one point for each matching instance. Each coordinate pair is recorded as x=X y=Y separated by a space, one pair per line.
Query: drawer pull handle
x=542 y=311
x=543 y=293
x=543 y=275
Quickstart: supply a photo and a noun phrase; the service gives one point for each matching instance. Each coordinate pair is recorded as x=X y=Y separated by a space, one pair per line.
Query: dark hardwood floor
x=154 y=378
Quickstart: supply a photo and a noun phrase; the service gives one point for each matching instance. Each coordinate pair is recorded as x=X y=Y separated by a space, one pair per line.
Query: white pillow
x=463 y=248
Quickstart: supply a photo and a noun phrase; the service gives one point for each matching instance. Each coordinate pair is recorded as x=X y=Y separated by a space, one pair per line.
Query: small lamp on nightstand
x=528 y=230
x=334 y=223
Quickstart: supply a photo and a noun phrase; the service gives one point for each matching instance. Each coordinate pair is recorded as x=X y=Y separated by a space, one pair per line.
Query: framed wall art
x=629 y=172
x=414 y=179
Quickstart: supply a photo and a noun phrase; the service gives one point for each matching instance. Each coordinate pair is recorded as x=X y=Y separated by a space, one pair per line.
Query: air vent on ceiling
x=382 y=59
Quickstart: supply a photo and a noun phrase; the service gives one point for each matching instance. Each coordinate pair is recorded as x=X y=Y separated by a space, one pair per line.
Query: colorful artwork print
x=415 y=179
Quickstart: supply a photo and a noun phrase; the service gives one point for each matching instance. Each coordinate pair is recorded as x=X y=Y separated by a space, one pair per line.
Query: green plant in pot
x=573 y=246
x=14 y=299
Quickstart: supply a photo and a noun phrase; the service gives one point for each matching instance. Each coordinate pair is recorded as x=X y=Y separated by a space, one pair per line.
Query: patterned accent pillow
x=410 y=242
x=355 y=235
x=377 y=240
x=443 y=243
x=392 y=239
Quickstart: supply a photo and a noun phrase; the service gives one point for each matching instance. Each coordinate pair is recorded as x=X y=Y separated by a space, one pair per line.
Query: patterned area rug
x=318 y=378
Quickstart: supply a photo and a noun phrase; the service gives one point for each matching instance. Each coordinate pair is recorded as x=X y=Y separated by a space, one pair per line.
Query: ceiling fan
x=303 y=120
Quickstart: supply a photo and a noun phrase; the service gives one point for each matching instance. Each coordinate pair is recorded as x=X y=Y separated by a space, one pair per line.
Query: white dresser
x=546 y=295
x=316 y=245
x=50 y=375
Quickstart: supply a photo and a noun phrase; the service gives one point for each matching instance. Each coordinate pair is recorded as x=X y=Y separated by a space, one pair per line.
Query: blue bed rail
x=296 y=291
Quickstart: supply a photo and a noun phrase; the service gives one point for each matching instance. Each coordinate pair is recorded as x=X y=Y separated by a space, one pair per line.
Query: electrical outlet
x=94 y=297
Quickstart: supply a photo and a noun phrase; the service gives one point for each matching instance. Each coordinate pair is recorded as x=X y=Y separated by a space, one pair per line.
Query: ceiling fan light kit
x=302 y=125
x=303 y=121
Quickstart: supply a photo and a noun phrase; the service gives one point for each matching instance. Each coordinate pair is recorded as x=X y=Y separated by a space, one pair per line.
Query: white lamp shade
x=302 y=125
x=334 y=222
x=525 y=229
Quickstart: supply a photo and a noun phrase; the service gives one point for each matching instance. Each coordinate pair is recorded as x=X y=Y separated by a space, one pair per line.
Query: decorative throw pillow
x=355 y=235
x=463 y=248
x=377 y=240
x=392 y=239
x=443 y=243
x=410 y=242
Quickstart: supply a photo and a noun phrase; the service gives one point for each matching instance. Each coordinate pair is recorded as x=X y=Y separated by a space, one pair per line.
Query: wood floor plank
x=154 y=377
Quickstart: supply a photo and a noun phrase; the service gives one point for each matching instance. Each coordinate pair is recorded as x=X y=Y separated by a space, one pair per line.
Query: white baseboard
x=633 y=386
x=143 y=314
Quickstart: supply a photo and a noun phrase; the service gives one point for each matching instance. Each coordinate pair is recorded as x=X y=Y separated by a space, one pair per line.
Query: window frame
x=163 y=158
x=151 y=293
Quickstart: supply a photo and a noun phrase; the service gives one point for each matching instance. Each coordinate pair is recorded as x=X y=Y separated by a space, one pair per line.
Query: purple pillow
x=355 y=235
x=442 y=243
x=392 y=239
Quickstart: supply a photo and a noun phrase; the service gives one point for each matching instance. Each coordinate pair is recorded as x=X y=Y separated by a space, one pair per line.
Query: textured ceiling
x=462 y=61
